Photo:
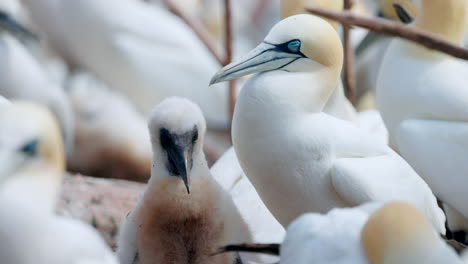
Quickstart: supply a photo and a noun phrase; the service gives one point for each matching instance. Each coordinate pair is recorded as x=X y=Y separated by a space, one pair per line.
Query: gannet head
x=398 y=233
x=9 y=24
x=300 y=43
x=295 y=7
x=30 y=139
x=177 y=128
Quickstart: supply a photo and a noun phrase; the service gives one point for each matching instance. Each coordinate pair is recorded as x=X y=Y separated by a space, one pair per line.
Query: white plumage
x=423 y=99
x=298 y=158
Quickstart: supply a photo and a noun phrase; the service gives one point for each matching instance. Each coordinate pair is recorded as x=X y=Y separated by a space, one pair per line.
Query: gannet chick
x=184 y=215
x=22 y=77
x=32 y=165
x=298 y=158
x=429 y=126
x=103 y=146
x=398 y=233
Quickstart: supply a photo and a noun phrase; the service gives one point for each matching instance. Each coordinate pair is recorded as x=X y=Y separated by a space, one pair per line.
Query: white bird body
x=298 y=158
x=30 y=232
x=104 y=147
x=430 y=123
x=171 y=224
x=333 y=238
x=139 y=49
x=21 y=77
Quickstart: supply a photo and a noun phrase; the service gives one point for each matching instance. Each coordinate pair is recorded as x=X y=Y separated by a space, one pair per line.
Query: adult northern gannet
x=22 y=77
x=298 y=158
x=398 y=233
x=137 y=48
x=111 y=135
x=184 y=215
x=423 y=99
x=32 y=161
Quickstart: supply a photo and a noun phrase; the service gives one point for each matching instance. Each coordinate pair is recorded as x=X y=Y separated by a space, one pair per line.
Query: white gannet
x=137 y=48
x=32 y=159
x=111 y=135
x=298 y=158
x=22 y=77
x=424 y=103
x=398 y=233
x=184 y=215
x=262 y=224
x=331 y=238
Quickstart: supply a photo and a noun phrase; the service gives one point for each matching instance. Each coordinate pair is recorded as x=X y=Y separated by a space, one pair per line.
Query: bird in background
x=184 y=215
x=137 y=48
x=299 y=158
x=429 y=126
x=22 y=76
x=32 y=162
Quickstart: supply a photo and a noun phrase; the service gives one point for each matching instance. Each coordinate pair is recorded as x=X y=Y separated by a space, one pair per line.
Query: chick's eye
x=30 y=148
x=294 y=45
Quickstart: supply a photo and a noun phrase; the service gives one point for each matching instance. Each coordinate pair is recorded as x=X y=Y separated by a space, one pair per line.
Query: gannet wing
x=127 y=251
x=438 y=150
x=382 y=179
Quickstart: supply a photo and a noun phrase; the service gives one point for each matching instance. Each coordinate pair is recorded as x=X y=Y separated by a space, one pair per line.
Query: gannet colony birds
x=120 y=90
x=429 y=125
x=298 y=158
x=30 y=231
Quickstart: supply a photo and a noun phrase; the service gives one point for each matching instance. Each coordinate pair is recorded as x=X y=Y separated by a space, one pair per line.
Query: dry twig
x=199 y=30
x=349 y=73
x=382 y=26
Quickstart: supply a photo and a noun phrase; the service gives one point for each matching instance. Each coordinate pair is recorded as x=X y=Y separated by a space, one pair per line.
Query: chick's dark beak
x=8 y=23
x=179 y=149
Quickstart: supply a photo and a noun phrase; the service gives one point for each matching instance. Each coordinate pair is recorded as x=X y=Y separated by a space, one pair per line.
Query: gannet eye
x=30 y=148
x=294 y=45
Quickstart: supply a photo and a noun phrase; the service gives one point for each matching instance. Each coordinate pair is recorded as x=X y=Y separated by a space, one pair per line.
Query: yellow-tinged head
x=30 y=139
x=300 y=43
x=395 y=233
x=448 y=18
x=295 y=7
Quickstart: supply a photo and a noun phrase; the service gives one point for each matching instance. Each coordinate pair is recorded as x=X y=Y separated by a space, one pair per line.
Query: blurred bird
x=32 y=162
x=398 y=233
x=139 y=49
x=22 y=77
x=264 y=227
x=298 y=158
x=184 y=215
x=332 y=238
x=424 y=103
x=111 y=135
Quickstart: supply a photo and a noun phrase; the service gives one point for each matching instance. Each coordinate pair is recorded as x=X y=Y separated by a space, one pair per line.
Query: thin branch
x=382 y=26
x=199 y=30
x=229 y=45
x=349 y=73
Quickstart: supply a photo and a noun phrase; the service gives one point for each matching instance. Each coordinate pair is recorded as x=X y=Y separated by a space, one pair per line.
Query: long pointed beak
x=8 y=23
x=265 y=57
x=179 y=158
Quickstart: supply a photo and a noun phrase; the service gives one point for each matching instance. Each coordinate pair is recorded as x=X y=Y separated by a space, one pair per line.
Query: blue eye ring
x=30 y=148
x=294 y=45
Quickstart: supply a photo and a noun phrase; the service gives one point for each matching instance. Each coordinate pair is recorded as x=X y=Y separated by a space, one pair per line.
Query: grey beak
x=178 y=158
x=8 y=23
x=265 y=57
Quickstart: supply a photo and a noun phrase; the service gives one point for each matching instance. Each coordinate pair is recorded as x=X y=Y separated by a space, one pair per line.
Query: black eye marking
x=292 y=46
x=195 y=134
x=30 y=148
